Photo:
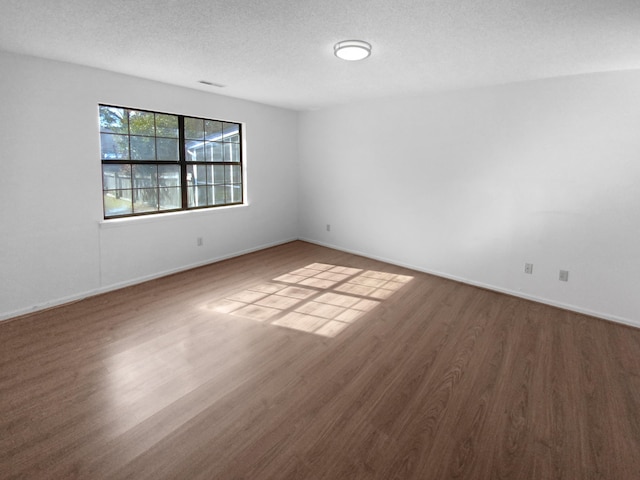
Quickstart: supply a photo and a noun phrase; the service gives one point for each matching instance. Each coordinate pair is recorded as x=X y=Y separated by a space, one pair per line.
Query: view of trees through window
x=156 y=162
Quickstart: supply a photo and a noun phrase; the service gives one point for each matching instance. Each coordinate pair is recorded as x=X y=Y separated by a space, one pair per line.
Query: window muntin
x=155 y=162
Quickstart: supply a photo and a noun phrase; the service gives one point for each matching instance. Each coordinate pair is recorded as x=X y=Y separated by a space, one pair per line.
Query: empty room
x=319 y=239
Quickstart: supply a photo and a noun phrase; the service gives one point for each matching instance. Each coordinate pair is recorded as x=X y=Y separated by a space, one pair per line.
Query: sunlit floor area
x=319 y=298
x=303 y=362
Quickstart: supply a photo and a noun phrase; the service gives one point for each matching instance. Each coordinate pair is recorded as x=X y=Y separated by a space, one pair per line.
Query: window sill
x=160 y=217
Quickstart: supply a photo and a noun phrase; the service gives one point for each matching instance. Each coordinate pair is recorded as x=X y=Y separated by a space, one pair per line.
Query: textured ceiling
x=280 y=52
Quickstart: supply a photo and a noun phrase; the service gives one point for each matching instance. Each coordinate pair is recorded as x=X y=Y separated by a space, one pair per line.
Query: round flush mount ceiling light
x=352 y=50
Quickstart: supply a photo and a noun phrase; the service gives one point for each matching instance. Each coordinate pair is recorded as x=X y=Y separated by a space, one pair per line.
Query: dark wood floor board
x=547 y=413
x=236 y=426
x=357 y=394
x=423 y=357
x=568 y=417
x=622 y=344
x=514 y=443
x=370 y=380
x=338 y=380
x=438 y=380
x=461 y=452
x=241 y=409
x=429 y=407
x=152 y=417
x=606 y=434
x=137 y=405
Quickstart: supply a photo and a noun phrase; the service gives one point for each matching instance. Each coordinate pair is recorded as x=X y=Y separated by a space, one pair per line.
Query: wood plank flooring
x=301 y=362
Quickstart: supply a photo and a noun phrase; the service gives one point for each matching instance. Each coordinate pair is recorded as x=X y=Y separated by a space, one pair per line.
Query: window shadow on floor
x=320 y=298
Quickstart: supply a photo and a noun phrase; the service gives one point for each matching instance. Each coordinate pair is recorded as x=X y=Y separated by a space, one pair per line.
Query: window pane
x=169 y=175
x=170 y=198
x=166 y=125
x=141 y=123
x=145 y=176
x=167 y=149
x=218 y=174
x=218 y=195
x=196 y=175
x=115 y=205
x=200 y=175
x=231 y=132
x=194 y=128
x=114 y=147
x=202 y=195
x=109 y=173
x=194 y=151
x=209 y=171
x=213 y=152
x=234 y=193
x=116 y=181
x=231 y=152
x=191 y=195
x=143 y=148
x=190 y=176
x=114 y=120
x=197 y=196
x=145 y=199
x=210 y=195
x=213 y=129
x=235 y=174
x=116 y=177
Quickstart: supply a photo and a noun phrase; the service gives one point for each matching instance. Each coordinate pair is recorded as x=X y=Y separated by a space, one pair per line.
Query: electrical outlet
x=528 y=268
x=564 y=275
x=199 y=241
x=328 y=227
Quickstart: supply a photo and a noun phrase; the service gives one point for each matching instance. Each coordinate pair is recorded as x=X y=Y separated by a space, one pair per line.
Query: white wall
x=53 y=244
x=471 y=185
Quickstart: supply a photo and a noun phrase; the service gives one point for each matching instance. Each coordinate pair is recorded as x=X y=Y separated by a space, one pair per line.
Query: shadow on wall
x=320 y=298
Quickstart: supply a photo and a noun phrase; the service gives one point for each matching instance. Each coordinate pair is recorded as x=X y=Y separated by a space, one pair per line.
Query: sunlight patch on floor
x=320 y=298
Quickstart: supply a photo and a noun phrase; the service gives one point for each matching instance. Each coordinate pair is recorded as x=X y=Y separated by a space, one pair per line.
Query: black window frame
x=231 y=170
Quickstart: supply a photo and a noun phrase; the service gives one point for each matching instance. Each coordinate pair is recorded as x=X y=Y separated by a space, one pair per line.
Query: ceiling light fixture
x=352 y=50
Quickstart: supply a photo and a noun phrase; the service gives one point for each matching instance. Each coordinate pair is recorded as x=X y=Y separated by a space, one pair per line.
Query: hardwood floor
x=304 y=362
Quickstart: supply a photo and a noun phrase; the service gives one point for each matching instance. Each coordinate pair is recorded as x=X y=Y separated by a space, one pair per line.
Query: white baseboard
x=116 y=286
x=146 y=278
x=564 y=306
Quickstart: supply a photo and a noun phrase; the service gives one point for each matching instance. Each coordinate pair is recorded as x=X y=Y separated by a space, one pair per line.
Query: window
x=156 y=162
